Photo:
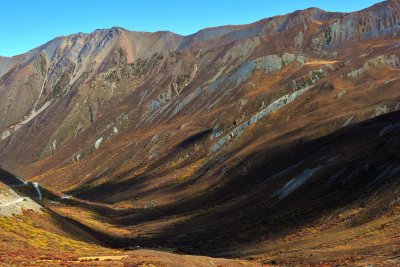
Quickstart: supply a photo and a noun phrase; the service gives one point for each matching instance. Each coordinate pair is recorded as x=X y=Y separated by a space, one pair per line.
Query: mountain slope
x=158 y=137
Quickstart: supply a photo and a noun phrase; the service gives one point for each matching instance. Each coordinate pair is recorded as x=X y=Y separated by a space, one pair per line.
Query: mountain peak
x=385 y=4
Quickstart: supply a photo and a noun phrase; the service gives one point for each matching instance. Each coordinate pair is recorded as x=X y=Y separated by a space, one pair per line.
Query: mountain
x=255 y=140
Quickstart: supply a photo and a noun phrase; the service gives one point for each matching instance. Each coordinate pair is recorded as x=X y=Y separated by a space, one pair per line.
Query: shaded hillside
x=236 y=140
x=33 y=235
x=346 y=181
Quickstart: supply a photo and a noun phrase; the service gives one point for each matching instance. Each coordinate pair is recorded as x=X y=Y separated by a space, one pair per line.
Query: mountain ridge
x=317 y=13
x=236 y=140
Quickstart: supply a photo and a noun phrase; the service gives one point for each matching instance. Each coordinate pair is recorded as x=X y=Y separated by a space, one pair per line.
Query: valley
x=271 y=143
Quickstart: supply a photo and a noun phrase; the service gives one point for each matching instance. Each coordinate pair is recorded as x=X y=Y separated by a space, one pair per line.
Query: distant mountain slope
x=156 y=131
x=73 y=84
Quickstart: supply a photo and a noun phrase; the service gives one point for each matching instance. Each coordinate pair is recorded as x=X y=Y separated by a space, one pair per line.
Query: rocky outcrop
x=98 y=143
x=379 y=20
x=274 y=106
x=269 y=64
x=380 y=111
x=375 y=63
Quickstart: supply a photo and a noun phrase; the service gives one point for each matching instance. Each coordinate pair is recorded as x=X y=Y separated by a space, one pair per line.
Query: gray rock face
x=348 y=121
x=298 y=40
x=397 y=107
x=269 y=64
x=288 y=58
x=154 y=105
x=378 y=20
x=274 y=106
x=243 y=73
x=296 y=182
x=187 y=99
x=98 y=143
x=380 y=111
x=391 y=61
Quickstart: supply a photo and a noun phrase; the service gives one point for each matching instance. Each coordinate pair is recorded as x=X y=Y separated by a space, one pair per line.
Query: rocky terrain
x=273 y=142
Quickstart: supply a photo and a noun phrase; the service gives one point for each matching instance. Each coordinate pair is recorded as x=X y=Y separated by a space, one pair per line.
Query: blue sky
x=25 y=24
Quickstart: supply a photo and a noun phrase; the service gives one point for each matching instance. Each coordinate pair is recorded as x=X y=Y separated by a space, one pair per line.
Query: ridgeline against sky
x=36 y=22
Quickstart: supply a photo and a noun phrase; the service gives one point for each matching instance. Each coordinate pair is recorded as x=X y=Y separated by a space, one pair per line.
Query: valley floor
x=33 y=240
x=342 y=238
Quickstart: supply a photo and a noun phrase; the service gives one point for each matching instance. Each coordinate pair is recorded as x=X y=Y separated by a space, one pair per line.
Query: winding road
x=15 y=201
